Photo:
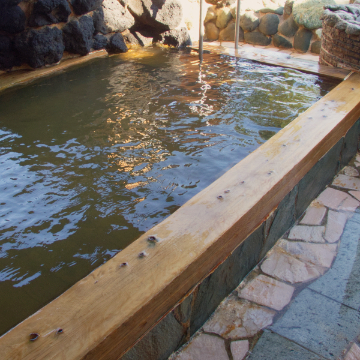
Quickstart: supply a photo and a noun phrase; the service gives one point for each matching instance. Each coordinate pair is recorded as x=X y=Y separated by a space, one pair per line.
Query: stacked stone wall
x=39 y=32
x=340 y=45
x=287 y=24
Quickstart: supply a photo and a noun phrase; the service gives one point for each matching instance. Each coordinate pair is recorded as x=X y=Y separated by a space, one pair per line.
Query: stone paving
x=303 y=300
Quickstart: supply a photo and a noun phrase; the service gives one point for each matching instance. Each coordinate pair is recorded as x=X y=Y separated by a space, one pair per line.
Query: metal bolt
x=142 y=254
x=152 y=238
x=34 y=336
x=226 y=191
x=59 y=331
x=220 y=197
x=123 y=264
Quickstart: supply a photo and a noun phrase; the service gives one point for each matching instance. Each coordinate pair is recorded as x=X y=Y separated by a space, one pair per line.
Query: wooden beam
x=273 y=56
x=102 y=315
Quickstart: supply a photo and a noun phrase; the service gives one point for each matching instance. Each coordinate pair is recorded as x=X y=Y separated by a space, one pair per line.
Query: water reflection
x=94 y=156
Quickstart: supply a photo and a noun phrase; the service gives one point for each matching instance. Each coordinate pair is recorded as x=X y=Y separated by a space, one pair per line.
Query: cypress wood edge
x=106 y=312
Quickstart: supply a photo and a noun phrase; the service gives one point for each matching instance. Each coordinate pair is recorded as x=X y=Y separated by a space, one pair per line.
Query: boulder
x=228 y=34
x=162 y=15
x=220 y=3
x=176 y=38
x=78 y=35
x=288 y=27
x=288 y=7
x=7 y=55
x=210 y=14
x=308 y=13
x=40 y=47
x=99 y=42
x=117 y=44
x=279 y=10
x=302 y=40
x=211 y=31
x=272 y=6
x=257 y=38
x=316 y=47
x=318 y=34
x=46 y=12
x=12 y=19
x=112 y=17
x=223 y=17
x=84 y=6
x=249 y=21
x=139 y=37
x=269 y=24
x=281 y=42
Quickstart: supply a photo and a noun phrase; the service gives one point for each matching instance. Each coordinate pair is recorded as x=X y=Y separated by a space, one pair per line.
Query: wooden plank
x=19 y=77
x=103 y=314
x=272 y=56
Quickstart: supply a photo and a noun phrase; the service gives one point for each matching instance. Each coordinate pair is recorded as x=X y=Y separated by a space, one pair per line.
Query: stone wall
x=283 y=24
x=341 y=37
x=40 y=32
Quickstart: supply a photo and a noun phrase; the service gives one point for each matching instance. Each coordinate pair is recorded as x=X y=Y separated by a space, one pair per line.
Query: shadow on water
x=92 y=157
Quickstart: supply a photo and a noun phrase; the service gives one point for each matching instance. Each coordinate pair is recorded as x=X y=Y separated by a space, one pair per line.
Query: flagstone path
x=303 y=300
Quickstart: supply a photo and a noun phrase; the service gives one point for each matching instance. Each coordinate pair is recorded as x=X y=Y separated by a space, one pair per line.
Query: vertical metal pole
x=201 y=31
x=237 y=25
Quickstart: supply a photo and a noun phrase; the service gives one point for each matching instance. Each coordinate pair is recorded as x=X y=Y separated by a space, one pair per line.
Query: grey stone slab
x=342 y=281
x=167 y=336
x=283 y=219
x=319 y=324
x=350 y=143
x=321 y=174
x=225 y=278
x=272 y=346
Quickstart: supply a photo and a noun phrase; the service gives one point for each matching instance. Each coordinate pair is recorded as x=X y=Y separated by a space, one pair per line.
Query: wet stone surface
x=342 y=281
x=236 y=318
x=319 y=324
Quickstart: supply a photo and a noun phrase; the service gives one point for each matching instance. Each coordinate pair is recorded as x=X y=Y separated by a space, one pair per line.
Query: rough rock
x=175 y=37
x=162 y=15
x=220 y=3
x=257 y=38
x=84 y=6
x=40 y=47
x=228 y=34
x=281 y=42
x=99 y=42
x=269 y=24
x=288 y=7
x=302 y=40
x=210 y=14
x=46 y=12
x=288 y=27
x=318 y=34
x=117 y=44
x=139 y=37
x=236 y=318
x=249 y=21
x=308 y=13
x=316 y=47
x=223 y=17
x=12 y=19
x=78 y=35
x=274 y=7
x=112 y=17
x=211 y=31
x=7 y=55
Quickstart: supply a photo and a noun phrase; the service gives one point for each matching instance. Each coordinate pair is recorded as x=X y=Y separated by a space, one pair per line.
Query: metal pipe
x=201 y=31
x=237 y=25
